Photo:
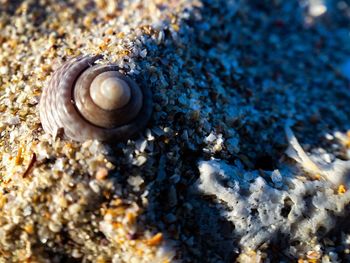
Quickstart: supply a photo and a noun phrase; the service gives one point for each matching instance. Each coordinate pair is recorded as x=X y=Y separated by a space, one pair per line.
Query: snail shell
x=90 y=101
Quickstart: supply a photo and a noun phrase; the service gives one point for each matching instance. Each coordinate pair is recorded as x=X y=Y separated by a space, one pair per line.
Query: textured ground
x=235 y=84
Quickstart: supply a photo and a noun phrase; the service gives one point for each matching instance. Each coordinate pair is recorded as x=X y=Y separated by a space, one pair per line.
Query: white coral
x=296 y=207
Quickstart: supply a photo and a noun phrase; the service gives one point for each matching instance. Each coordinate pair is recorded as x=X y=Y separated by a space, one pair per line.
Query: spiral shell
x=90 y=101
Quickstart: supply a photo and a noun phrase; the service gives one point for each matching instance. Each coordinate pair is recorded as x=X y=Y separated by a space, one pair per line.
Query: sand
x=235 y=84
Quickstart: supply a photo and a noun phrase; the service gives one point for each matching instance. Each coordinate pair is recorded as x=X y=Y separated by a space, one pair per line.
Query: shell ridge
x=66 y=112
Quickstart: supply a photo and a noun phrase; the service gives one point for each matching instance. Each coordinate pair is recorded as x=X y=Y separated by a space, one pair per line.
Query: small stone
x=170 y=218
x=55 y=227
x=136 y=182
x=101 y=174
x=172 y=197
x=94 y=186
x=14 y=120
x=140 y=160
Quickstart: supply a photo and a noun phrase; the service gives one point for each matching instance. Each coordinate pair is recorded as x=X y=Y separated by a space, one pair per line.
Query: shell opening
x=110 y=92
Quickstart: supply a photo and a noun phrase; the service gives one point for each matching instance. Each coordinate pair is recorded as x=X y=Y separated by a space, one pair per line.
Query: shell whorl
x=90 y=101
